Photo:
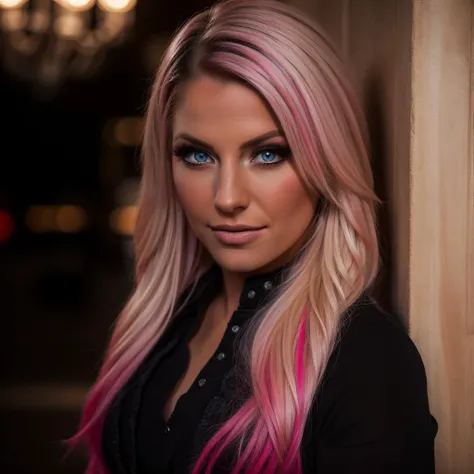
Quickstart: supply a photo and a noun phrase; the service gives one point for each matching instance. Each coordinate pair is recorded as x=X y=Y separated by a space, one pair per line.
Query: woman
x=250 y=343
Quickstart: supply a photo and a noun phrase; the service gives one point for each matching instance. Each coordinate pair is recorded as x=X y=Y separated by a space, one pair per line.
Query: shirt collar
x=256 y=291
x=258 y=288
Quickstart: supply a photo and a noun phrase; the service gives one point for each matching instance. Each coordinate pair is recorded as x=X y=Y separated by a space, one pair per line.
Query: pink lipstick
x=238 y=234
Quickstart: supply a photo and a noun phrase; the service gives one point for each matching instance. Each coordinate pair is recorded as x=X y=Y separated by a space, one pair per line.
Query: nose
x=231 y=194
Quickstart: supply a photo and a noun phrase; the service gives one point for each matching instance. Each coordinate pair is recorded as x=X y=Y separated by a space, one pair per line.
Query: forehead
x=213 y=109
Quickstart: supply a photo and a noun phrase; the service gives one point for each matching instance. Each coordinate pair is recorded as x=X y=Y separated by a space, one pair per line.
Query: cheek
x=287 y=202
x=194 y=192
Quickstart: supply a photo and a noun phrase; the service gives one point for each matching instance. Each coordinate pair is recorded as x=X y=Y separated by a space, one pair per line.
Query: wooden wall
x=441 y=289
x=413 y=66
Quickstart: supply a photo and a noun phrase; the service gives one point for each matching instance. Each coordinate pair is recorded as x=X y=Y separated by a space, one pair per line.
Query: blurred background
x=74 y=80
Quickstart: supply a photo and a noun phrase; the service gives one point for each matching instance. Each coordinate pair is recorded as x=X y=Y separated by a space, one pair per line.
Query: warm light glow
x=69 y=25
x=128 y=131
x=122 y=220
x=39 y=22
x=50 y=41
x=12 y=3
x=41 y=218
x=67 y=218
x=76 y=5
x=117 y=5
x=71 y=219
x=14 y=20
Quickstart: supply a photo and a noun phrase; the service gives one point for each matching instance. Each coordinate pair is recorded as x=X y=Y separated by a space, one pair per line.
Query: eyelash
x=183 y=151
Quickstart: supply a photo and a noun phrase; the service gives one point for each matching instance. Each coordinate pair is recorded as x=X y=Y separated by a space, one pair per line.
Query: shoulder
x=371 y=341
x=371 y=413
x=375 y=371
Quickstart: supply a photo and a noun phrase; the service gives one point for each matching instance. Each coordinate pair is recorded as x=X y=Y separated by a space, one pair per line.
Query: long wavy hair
x=283 y=56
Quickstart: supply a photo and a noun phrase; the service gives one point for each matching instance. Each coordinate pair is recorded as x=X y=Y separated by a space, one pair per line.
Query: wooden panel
x=398 y=172
x=470 y=251
x=440 y=199
x=332 y=16
x=470 y=233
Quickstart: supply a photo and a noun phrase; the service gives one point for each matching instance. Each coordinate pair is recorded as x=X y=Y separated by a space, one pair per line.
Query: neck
x=233 y=284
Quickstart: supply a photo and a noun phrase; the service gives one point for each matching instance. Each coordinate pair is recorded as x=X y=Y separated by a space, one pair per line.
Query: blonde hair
x=278 y=52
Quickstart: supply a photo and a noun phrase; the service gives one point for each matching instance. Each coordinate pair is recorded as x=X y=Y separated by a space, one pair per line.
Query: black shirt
x=370 y=415
x=159 y=443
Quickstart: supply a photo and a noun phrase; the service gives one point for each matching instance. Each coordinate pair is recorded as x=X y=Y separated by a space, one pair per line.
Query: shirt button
x=251 y=294
x=268 y=285
x=235 y=329
x=221 y=356
x=202 y=382
x=167 y=429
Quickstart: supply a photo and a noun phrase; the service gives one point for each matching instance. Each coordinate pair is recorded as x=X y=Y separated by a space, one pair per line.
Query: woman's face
x=234 y=176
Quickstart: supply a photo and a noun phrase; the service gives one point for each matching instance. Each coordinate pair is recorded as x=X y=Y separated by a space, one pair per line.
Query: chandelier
x=46 y=42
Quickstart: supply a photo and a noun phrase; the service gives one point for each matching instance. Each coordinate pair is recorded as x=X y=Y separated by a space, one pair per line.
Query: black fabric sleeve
x=373 y=409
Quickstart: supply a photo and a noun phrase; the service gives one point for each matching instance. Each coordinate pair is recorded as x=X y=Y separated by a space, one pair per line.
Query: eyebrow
x=249 y=144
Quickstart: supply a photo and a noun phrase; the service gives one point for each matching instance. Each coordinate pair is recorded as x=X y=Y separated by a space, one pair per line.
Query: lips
x=235 y=228
x=237 y=234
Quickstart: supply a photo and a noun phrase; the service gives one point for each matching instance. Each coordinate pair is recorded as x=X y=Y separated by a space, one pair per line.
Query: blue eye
x=268 y=156
x=272 y=156
x=199 y=157
x=192 y=156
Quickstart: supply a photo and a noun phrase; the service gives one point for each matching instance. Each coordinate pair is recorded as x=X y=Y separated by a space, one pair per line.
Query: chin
x=241 y=261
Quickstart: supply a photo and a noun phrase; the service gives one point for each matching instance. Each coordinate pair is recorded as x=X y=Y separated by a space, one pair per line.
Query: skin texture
x=233 y=185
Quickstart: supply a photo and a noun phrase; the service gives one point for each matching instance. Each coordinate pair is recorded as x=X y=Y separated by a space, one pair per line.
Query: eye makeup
x=194 y=156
